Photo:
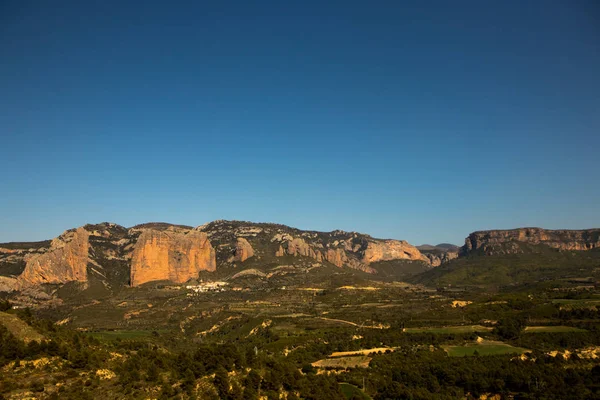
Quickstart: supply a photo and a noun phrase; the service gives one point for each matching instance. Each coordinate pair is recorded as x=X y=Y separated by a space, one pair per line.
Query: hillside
x=19 y=328
x=498 y=258
x=515 y=263
x=439 y=247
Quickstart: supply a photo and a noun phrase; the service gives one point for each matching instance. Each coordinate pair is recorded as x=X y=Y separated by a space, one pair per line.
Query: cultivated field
x=450 y=329
x=553 y=329
x=485 y=348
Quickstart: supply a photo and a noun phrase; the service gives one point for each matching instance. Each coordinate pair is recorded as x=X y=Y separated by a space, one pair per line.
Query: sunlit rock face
x=499 y=241
x=337 y=257
x=349 y=249
x=172 y=255
x=298 y=247
x=7 y=284
x=388 y=250
x=65 y=261
x=243 y=250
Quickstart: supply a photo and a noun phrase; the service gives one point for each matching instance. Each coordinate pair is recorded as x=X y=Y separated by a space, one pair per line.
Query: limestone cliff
x=297 y=247
x=7 y=284
x=348 y=249
x=65 y=261
x=437 y=259
x=243 y=250
x=439 y=254
x=506 y=241
x=387 y=250
x=173 y=255
x=337 y=257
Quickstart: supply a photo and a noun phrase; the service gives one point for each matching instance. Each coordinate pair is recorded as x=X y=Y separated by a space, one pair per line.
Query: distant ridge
x=441 y=247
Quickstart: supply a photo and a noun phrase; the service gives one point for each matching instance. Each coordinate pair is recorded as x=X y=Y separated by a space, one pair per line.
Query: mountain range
x=115 y=256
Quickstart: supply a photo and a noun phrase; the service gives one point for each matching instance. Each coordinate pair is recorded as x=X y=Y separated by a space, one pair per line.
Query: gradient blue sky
x=416 y=120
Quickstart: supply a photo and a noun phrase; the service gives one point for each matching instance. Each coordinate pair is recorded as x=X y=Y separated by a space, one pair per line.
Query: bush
x=509 y=328
x=5 y=305
x=37 y=387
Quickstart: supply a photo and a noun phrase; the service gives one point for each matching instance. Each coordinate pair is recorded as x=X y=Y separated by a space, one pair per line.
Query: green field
x=352 y=392
x=450 y=329
x=483 y=349
x=554 y=329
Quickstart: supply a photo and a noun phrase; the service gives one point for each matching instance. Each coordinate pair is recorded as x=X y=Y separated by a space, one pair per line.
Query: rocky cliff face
x=349 y=249
x=173 y=255
x=243 y=250
x=438 y=258
x=274 y=243
x=506 y=241
x=296 y=247
x=65 y=261
x=7 y=284
x=330 y=252
x=96 y=252
x=110 y=254
x=13 y=257
x=387 y=250
x=439 y=254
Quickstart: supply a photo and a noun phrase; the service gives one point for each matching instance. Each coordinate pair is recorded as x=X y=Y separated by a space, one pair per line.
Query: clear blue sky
x=416 y=120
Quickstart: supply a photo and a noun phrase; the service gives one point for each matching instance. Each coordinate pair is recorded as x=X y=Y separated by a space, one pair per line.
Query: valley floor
x=313 y=341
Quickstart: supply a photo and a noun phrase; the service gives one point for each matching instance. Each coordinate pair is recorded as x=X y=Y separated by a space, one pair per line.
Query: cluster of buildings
x=204 y=287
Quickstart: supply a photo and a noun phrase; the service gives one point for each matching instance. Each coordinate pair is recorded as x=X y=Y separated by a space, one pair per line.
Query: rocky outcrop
x=299 y=247
x=337 y=257
x=439 y=254
x=7 y=284
x=506 y=241
x=243 y=250
x=387 y=250
x=65 y=261
x=173 y=255
x=439 y=258
x=354 y=251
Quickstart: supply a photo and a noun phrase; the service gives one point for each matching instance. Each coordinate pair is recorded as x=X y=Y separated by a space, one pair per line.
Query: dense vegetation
x=232 y=371
x=126 y=364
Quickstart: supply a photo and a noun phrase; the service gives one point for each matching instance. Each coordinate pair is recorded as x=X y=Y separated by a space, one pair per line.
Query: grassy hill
x=19 y=328
x=535 y=264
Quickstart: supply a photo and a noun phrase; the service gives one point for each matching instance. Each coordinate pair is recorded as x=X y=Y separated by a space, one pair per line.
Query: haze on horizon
x=421 y=121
